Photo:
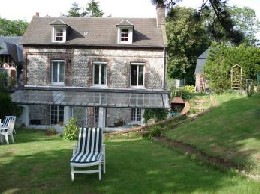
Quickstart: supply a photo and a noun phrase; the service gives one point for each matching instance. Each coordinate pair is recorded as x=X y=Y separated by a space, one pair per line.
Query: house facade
x=103 y=71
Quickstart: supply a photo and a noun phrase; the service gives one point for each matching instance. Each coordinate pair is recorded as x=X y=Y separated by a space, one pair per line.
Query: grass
x=230 y=131
x=37 y=163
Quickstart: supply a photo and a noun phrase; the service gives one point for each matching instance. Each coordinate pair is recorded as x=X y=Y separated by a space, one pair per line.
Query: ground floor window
x=57 y=115
x=136 y=114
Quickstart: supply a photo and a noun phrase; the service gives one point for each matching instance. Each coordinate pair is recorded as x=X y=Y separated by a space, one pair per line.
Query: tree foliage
x=92 y=10
x=12 y=27
x=219 y=17
x=187 y=39
x=246 y=21
x=75 y=11
x=223 y=57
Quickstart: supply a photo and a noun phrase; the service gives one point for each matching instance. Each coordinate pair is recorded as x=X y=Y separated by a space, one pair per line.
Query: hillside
x=229 y=132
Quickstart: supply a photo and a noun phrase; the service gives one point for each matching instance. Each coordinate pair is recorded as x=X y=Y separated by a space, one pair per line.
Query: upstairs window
x=58 y=72
x=59 y=35
x=125 y=31
x=59 y=31
x=100 y=73
x=124 y=35
x=137 y=75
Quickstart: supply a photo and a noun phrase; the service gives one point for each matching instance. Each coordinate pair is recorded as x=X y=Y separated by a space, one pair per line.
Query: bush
x=155 y=131
x=71 y=130
x=7 y=106
x=185 y=92
x=158 y=114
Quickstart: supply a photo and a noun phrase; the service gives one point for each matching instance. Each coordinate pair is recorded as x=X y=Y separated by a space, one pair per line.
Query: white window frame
x=137 y=81
x=99 y=63
x=136 y=115
x=58 y=82
x=129 y=36
x=55 y=111
x=55 y=36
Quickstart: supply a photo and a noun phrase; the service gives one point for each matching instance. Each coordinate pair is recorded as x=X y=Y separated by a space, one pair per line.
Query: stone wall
x=79 y=66
x=39 y=115
x=115 y=115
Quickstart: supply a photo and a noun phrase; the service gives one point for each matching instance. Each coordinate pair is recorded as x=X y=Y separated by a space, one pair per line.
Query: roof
x=124 y=23
x=112 y=98
x=201 y=61
x=94 y=31
x=9 y=39
x=11 y=45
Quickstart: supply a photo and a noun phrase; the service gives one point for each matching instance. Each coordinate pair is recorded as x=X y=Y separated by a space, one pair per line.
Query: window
x=135 y=114
x=59 y=34
x=100 y=73
x=124 y=35
x=137 y=74
x=58 y=71
x=57 y=115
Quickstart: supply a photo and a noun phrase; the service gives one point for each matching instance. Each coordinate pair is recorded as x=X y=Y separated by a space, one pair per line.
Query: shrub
x=155 y=131
x=7 y=106
x=71 y=130
x=157 y=113
x=185 y=92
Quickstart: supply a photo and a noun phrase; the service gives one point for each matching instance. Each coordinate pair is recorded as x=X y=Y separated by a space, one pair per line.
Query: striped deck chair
x=89 y=151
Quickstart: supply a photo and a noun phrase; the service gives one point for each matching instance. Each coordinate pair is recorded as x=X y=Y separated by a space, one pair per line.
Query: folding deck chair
x=89 y=151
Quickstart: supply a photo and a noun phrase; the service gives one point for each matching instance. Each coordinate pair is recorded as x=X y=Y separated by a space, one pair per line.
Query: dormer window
x=59 y=31
x=124 y=35
x=59 y=35
x=125 y=32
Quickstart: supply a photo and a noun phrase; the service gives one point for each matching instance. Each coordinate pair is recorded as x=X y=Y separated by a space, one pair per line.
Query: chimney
x=36 y=15
x=160 y=13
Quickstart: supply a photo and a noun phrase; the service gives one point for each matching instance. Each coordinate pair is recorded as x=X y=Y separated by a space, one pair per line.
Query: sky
x=25 y=9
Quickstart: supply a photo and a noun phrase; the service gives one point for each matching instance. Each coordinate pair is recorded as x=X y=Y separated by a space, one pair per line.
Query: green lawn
x=230 y=131
x=37 y=163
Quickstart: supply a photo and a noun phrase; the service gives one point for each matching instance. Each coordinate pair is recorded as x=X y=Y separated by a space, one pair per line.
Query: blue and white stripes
x=89 y=146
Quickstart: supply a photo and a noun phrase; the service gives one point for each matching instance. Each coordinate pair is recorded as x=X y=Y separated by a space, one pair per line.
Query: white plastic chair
x=90 y=151
x=6 y=132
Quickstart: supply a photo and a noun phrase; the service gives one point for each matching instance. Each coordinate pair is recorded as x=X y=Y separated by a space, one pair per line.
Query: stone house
x=103 y=71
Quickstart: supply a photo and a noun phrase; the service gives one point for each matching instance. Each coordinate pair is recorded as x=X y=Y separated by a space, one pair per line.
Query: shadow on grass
x=133 y=166
x=230 y=131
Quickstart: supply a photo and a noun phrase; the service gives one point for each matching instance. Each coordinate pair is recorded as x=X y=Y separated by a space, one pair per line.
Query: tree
x=12 y=27
x=221 y=17
x=75 y=11
x=222 y=57
x=93 y=9
x=187 y=39
x=246 y=21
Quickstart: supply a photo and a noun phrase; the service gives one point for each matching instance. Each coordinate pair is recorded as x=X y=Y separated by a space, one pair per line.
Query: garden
x=39 y=162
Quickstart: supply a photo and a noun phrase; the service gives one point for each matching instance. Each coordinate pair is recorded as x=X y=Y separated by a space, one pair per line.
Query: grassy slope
x=37 y=163
x=231 y=131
